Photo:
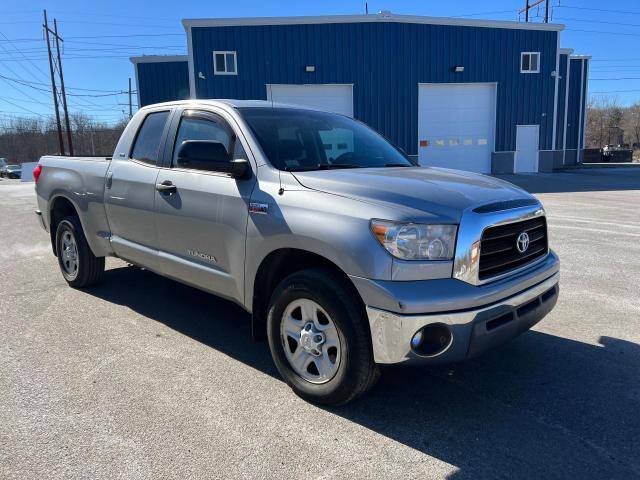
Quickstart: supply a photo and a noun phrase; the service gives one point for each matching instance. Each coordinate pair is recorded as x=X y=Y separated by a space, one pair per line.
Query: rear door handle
x=166 y=187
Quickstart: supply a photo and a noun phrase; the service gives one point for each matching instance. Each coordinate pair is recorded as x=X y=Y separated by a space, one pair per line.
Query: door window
x=196 y=128
x=147 y=144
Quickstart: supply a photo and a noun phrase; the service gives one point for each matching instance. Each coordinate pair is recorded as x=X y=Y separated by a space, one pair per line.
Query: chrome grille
x=498 y=247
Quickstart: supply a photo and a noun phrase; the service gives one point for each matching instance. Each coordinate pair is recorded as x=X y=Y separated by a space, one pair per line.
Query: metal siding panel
x=573 y=113
x=385 y=61
x=163 y=81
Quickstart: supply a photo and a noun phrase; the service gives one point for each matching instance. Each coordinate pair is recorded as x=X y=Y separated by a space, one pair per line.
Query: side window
x=530 y=62
x=225 y=63
x=201 y=129
x=147 y=144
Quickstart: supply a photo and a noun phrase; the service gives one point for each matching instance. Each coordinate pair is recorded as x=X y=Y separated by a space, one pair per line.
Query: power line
x=616 y=91
x=619 y=78
x=603 y=32
x=22 y=81
x=599 y=22
x=21 y=107
x=103 y=36
x=626 y=12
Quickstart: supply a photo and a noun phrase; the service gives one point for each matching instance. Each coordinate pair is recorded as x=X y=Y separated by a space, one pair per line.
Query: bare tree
x=27 y=139
x=632 y=123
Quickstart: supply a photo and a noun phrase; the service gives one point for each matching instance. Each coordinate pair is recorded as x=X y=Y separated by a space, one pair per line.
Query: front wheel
x=79 y=266
x=319 y=338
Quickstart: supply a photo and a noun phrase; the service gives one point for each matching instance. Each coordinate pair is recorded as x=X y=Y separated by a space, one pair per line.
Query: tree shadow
x=587 y=180
x=541 y=406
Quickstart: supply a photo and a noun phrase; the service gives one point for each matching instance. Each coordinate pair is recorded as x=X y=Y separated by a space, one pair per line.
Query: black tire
x=356 y=372
x=90 y=268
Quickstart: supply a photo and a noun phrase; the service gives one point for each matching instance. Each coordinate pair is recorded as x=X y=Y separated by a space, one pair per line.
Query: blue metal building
x=161 y=78
x=488 y=96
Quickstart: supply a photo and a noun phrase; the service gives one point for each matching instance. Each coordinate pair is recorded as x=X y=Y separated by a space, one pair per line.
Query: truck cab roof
x=225 y=103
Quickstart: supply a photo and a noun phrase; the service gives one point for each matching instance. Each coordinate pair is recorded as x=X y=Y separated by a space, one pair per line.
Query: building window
x=530 y=62
x=224 y=63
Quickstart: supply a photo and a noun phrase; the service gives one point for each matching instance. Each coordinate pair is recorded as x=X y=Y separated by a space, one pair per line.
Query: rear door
x=130 y=193
x=202 y=222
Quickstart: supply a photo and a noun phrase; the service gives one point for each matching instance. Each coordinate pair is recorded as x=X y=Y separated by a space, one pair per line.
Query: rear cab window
x=146 y=147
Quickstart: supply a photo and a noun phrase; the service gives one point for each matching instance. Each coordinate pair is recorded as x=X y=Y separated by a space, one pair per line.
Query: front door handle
x=166 y=187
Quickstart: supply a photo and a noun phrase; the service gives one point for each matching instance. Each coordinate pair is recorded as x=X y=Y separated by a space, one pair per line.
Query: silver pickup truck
x=347 y=254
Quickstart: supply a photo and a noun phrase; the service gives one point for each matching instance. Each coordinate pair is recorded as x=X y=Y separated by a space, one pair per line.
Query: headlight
x=414 y=241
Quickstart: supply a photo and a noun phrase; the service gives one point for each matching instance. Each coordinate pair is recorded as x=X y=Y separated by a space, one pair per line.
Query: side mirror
x=240 y=168
x=211 y=156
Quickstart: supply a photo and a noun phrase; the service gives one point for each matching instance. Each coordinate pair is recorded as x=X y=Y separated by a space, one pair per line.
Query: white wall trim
x=192 y=73
x=555 y=94
x=135 y=67
x=158 y=59
x=586 y=99
x=380 y=17
x=580 y=125
x=566 y=109
x=581 y=57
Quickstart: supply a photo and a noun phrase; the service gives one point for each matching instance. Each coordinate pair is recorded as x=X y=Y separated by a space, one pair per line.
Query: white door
x=329 y=98
x=456 y=124
x=527 y=138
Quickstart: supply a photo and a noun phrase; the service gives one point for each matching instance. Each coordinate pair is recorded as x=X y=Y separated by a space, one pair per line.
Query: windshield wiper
x=333 y=166
x=397 y=165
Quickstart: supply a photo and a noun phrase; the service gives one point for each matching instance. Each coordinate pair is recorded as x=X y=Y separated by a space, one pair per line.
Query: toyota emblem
x=522 y=244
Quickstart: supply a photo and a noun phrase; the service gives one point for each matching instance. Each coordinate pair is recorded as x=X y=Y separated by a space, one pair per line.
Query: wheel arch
x=61 y=207
x=276 y=266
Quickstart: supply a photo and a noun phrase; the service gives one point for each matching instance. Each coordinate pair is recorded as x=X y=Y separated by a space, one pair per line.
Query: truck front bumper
x=465 y=329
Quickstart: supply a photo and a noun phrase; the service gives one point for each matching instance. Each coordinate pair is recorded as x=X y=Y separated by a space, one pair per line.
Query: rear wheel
x=79 y=266
x=319 y=338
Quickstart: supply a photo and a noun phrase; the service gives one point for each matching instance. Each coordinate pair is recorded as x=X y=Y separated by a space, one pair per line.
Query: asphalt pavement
x=142 y=377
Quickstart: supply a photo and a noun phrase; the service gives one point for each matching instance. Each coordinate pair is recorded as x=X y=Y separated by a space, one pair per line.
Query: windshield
x=13 y=167
x=297 y=140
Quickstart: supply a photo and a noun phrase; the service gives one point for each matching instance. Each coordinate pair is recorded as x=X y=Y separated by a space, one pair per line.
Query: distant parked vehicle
x=616 y=153
x=11 y=171
x=3 y=162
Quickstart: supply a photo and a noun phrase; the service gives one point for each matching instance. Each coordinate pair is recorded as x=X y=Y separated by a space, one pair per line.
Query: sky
x=100 y=36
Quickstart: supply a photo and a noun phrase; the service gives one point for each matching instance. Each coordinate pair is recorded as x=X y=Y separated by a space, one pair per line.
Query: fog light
x=416 y=341
x=432 y=340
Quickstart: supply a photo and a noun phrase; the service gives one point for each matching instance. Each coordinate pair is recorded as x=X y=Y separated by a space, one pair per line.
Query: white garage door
x=330 y=98
x=456 y=125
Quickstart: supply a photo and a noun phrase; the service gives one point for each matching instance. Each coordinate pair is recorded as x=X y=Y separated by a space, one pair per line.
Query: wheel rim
x=69 y=254
x=310 y=341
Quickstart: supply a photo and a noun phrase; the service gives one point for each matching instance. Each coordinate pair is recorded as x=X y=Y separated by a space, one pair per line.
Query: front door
x=527 y=138
x=202 y=224
x=130 y=189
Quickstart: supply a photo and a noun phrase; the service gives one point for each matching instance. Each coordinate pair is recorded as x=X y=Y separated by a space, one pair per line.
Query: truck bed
x=81 y=180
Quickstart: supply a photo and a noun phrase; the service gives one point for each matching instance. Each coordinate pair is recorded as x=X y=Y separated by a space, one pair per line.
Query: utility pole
x=130 y=107
x=528 y=6
x=64 y=93
x=53 y=85
x=546 y=11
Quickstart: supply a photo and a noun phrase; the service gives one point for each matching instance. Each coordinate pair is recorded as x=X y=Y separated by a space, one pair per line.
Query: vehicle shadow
x=587 y=180
x=541 y=406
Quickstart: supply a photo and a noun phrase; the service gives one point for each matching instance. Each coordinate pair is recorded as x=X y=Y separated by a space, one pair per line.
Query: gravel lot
x=142 y=377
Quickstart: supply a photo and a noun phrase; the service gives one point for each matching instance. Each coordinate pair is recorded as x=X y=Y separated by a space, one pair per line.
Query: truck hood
x=434 y=191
